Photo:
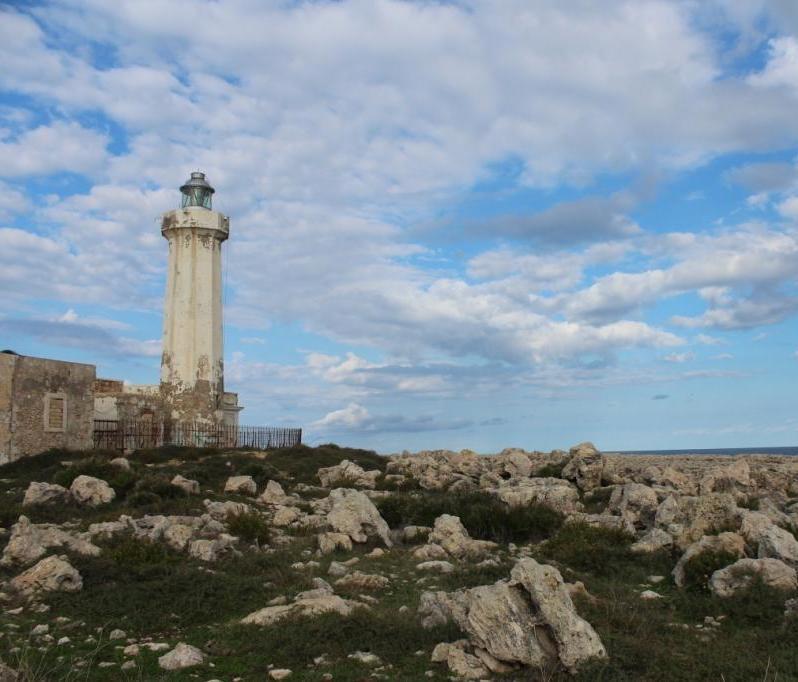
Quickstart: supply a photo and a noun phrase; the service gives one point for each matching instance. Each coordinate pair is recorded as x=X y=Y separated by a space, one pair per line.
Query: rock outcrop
x=526 y=621
x=349 y=474
x=355 y=515
x=736 y=578
x=53 y=574
x=91 y=492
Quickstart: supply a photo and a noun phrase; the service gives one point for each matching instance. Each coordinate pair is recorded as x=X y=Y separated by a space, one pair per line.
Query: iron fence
x=134 y=435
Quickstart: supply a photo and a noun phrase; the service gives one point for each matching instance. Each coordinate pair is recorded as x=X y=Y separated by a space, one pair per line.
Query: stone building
x=44 y=404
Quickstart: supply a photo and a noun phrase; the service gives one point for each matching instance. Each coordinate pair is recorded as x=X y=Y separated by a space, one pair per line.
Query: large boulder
x=529 y=620
x=688 y=518
x=450 y=534
x=635 y=502
x=726 y=543
x=91 y=492
x=576 y=639
x=585 y=467
x=30 y=542
x=733 y=478
x=777 y=543
x=736 y=578
x=353 y=513
x=348 y=473
x=273 y=494
x=53 y=574
x=554 y=493
x=44 y=493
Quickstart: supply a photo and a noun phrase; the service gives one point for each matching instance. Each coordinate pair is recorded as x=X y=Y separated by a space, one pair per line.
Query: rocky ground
x=337 y=564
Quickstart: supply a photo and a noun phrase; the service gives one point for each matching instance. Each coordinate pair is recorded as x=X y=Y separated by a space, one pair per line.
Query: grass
x=484 y=516
x=249 y=526
x=699 y=569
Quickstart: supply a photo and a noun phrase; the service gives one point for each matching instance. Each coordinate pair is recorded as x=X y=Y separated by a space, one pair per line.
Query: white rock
x=188 y=485
x=355 y=515
x=120 y=462
x=53 y=574
x=280 y=673
x=29 y=542
x=182 y=656
x=450 y=534
x=241 y=485
x=348 y=474
x=728 y=581
x=777 y=543
x=435 y=566
x=650 y=595
x=91 y=492
x=44 y=493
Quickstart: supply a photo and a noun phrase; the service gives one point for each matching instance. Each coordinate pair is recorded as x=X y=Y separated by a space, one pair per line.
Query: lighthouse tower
x=192 y=365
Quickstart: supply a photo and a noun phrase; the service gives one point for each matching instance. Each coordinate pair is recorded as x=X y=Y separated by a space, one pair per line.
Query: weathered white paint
x=192 y=364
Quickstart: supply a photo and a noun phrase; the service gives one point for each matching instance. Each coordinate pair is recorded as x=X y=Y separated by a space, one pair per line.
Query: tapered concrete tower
x=192 y=365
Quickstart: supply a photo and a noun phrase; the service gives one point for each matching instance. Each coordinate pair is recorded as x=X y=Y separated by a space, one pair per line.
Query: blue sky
x=470 y=224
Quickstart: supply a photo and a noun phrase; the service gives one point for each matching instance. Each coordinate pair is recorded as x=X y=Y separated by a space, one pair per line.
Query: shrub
x=301 y=462
x=483 y=516
x=597 y=550
x=552 y=469
x=699 y=569
x=119 y=479
x=249 y=526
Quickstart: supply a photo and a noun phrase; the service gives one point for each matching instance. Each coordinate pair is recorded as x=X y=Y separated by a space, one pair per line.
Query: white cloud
x=47 y=149
x=679 y=357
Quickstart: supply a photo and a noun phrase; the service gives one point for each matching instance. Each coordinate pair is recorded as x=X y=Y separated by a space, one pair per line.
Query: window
x=55 y=412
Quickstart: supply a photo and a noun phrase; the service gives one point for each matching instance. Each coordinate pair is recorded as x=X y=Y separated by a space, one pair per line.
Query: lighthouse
x=192 y=364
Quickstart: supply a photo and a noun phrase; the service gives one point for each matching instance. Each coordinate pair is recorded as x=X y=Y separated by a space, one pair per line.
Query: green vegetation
x=699 y=569
x=483 y=515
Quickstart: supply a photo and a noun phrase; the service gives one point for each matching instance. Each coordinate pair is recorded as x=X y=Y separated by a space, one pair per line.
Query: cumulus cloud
x=356 y=418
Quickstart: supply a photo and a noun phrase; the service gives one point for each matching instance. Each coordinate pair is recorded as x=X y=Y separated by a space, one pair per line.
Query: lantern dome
x=197 y=191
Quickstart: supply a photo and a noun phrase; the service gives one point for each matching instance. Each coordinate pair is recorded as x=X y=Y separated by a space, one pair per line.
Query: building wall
x=45 y=404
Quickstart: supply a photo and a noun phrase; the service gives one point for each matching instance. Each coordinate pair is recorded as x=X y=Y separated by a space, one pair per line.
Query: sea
x=788 y=451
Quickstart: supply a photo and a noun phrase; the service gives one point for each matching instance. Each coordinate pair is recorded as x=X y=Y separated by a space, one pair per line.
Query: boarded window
x=55 y=412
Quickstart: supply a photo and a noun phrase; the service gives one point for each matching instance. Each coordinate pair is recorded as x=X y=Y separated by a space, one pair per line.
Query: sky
x=469 y=224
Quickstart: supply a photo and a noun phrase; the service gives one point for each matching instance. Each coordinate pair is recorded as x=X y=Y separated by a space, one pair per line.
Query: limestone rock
x=190 y=486
x=120 y=462
x=330 y=542
x=285 y=516
x=241 y=485
x=733 y=478
x=515 y=463
x=430 y=552
x=357 y=580
x=576 y=639
x=463 y=664
x=182 y=656
x=53 y=574
x=274 y=494
x=221 y=510
x=777 y=543
x=29 y=542
x=450 y=534
x=435 y=566
x=91 y=492
x=529 y=620
x=607 y=521
x=585 y=467
x=735 y=578
x=653 y=541
x=312 y=606
x=355 y=515
x=44 y=493
x=349 y=474
x=554 y=493
x=725 y=542
x=636 y=502
x=212 y=550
